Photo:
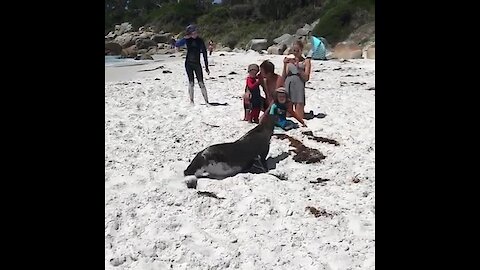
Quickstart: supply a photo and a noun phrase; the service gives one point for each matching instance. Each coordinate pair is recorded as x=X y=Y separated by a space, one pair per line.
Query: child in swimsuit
x=280 y=107
x=252 y=99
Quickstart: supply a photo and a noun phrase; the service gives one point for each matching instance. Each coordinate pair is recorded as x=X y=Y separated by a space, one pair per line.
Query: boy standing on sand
x=254 y=80
x=195 y=46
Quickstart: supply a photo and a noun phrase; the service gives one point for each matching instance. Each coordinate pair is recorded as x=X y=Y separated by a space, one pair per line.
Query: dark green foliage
x=235 y=22
x=336 y=18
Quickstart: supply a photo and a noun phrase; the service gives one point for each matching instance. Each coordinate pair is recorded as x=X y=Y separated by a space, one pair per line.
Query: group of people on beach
x=284 y=94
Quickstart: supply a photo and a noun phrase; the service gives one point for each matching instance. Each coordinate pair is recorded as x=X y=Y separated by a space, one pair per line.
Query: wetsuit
x=195 y=46
x=256 y=99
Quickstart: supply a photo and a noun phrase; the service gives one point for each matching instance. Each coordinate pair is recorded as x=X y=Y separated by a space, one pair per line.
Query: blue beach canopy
x=319 y=50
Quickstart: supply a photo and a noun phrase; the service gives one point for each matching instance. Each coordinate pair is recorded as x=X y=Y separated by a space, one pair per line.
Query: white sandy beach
x=153 y=221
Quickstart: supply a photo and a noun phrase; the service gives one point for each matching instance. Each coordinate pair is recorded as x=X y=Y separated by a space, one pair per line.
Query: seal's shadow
x=271 y=164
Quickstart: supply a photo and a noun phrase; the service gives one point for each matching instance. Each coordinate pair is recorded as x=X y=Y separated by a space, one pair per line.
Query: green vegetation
x=235 y=22
x=338 y=16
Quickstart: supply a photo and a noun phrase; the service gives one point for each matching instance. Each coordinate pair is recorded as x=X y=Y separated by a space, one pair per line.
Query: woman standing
x=296 y=71
x=195 y=46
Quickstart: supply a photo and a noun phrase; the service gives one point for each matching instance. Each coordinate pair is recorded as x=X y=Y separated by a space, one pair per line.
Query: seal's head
x=269 y=121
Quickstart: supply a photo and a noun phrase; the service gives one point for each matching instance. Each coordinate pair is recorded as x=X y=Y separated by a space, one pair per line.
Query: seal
x=223 y=160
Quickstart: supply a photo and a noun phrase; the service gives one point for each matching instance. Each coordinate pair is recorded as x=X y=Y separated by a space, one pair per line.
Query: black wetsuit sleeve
x=203 y=50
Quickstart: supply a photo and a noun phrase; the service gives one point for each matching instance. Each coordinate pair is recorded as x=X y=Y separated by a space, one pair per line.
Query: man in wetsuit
x=195 y=46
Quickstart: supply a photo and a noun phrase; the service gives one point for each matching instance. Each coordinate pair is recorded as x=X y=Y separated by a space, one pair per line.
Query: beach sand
x=152 y=221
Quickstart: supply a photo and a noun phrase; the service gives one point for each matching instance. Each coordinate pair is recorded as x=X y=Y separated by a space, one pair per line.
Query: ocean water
x=117 y=61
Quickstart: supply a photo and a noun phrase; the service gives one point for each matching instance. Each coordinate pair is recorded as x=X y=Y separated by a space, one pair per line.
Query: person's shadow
x=218 y=104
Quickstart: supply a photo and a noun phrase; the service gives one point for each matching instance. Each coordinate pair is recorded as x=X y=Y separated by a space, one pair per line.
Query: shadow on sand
x=218 y=104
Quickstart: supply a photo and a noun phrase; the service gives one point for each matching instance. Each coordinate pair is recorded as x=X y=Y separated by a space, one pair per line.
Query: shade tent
x=319 y=50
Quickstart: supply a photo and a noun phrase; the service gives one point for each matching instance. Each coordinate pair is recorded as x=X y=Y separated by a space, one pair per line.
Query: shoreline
x=129 y=70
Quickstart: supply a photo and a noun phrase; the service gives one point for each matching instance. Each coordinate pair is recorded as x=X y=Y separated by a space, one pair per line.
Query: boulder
x=347 y=50
x=152 y=50
x=315 y=23
x=282 y=38
x=125 y=27
x=308 y=27
x=110 y=35
x=146 y=35
x=287 y=51
x=302 y=32
x=285 y=39
x=141 y=29
x=145 y=43
x=277 y=49
x=363 y=34
x=130 y=52
x=113 y=48
x=257 y=44
x=126 y=40
x=162 y=38
x=369 y=51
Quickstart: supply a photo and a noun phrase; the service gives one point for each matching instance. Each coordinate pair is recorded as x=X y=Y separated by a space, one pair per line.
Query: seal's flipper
x=258 y=166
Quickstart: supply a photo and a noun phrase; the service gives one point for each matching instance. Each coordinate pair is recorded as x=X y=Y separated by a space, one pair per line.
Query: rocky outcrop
x=130 y=52
x=112 y=48
x=304 y=31
x=347 y=50
x=284 y=42
x=110 y=36
x=277 y=49
x=162 y=38
x=120 y=29
x=257 y=44
x=126 y=40
x=145 y=43
x=145 y=35
x=363 y=35
x=369 y=51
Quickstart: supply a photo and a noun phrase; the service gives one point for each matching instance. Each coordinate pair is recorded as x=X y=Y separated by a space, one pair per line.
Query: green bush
x=231 y=40
x=176 y=16
x=235 y=24
x=336 y=19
